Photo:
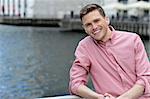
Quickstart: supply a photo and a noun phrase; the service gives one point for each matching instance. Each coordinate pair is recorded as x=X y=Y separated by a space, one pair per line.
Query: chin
x=98 y=39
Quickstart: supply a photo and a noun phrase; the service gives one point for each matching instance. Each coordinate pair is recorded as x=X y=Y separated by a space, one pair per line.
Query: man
x=116 y=60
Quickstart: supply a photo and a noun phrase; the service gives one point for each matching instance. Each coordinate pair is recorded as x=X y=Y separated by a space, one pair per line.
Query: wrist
x=124 y=97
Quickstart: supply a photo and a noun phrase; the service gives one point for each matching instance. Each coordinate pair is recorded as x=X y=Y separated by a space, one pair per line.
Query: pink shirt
x=115 y=66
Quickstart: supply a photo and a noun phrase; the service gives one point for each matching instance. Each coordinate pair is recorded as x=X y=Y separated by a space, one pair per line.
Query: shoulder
x=83 y=45
x=86 y=41
x=127 y=35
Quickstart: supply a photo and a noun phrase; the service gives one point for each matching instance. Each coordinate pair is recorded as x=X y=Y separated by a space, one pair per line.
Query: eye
x=87 y=25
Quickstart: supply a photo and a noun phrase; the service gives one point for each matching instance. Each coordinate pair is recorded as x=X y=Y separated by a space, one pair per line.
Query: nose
x=94 y=26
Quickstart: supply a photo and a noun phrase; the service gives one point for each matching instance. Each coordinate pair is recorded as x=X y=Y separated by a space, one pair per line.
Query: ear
x=107 y=20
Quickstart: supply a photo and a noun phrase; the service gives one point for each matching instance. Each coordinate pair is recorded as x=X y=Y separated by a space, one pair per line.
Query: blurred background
x=38 y=39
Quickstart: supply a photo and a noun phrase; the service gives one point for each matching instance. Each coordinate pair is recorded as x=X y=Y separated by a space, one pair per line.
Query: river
x=35 y=61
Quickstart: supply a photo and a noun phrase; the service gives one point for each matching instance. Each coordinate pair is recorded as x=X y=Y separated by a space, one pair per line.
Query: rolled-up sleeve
x=142 y=66
x=79 y=70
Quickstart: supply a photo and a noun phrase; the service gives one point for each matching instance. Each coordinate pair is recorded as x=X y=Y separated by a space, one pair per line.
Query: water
x=35 y=61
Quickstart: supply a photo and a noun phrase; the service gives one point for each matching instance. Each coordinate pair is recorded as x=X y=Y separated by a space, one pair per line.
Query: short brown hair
x=90 y=7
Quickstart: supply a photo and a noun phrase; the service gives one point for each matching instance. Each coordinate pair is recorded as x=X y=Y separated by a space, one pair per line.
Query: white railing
x=142 y=28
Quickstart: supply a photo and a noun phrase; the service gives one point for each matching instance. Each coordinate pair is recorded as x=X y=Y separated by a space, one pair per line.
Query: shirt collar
x=110 y=39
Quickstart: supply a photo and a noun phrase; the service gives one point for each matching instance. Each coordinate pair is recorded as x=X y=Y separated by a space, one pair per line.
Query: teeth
x=96 y=31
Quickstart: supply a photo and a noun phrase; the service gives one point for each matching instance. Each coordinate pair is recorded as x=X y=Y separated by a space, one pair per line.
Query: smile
x=97 y=31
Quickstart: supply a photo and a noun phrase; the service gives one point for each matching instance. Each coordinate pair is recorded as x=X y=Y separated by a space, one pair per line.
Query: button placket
x=121 y=76
x=119 y=70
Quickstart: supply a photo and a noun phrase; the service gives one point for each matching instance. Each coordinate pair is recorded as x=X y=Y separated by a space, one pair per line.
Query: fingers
x=108 y=96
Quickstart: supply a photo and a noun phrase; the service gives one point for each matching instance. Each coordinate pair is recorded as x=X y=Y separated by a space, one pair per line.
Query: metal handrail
x=63 y=97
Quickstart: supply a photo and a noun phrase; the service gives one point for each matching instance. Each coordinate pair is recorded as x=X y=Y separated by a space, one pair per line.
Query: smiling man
x=116 y=60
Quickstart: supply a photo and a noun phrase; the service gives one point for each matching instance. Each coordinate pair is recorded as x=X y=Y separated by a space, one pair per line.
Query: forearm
x=134 y=93
x=87 y=93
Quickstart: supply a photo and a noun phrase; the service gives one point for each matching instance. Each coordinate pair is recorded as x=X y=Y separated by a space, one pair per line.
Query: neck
x=108 y=35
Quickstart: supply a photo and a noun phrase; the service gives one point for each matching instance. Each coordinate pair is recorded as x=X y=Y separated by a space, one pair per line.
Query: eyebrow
x=96 y=19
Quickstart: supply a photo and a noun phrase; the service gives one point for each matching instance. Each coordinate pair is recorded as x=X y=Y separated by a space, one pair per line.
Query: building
x=128 y=12
x=41 y=8
x=16 y=8
x=59 y=8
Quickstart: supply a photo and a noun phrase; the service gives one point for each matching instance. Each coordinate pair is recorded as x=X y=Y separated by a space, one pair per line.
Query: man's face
x=96 y=25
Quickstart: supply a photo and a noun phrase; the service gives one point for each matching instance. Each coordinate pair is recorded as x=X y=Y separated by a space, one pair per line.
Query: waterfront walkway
x=141 y=28
x=30 y=21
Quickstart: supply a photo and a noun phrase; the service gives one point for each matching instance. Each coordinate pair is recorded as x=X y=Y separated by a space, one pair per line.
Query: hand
x=100 y=96
x=108 y=96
